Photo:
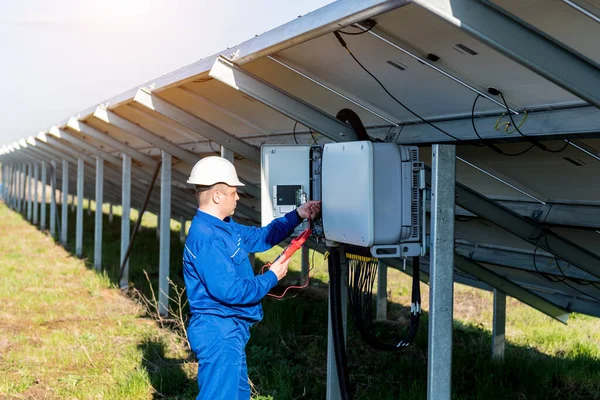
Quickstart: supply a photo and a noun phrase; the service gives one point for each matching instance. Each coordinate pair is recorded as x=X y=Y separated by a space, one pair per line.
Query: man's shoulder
x=200 y=233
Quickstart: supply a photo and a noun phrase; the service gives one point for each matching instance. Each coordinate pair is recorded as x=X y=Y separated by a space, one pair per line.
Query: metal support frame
x=80 y=143
x=125 y=218
x=527 y=230
x=79 y=216
x=277 y=99
x=165 y=235
x=35 y=193
x=227 y=154
x=499 y=325
x=109 y=117
x=439 y=363
x=568 y=121
x=81 y=128
x=382 y=271
x=98 y=221
x=199 y=98
x=515 y=38
x=196 y=124
x=53 y=199
x=29 y=196
x=65 y=203
x=575 y=215
x=520 y=259
x=526 y=296
x=22 y=182
x=304 y=265
x=43 y=198
x=110 y=212
x=84 y=129
x=297 y=110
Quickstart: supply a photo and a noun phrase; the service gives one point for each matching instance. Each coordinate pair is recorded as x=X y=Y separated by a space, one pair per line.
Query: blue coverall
x=224 y=297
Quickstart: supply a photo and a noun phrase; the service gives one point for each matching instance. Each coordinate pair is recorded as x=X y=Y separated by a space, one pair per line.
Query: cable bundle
x=362 y=272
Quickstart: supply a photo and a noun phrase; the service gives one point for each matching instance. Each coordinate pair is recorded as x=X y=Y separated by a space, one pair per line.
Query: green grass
x=287 y=350
x=66 y=332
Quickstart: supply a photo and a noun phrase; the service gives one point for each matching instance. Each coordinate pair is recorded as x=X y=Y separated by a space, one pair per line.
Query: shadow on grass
x=287 y=350
x=167 y=375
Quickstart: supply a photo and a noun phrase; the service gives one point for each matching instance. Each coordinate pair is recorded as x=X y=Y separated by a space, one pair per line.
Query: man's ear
x=216 y=197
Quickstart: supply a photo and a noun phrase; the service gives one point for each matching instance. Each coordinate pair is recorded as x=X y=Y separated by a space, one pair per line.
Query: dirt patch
x=38 y=392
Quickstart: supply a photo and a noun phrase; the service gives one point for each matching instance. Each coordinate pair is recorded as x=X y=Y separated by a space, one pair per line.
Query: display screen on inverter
x=289 y=195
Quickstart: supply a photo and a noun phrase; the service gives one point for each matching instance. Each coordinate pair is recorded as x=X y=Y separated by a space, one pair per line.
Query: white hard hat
x=211 y=170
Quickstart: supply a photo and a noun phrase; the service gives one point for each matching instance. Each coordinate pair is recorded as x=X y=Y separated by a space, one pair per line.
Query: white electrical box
x=285 y=180
x=370 y=192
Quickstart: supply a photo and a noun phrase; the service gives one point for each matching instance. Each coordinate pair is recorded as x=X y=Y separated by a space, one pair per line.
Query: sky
x=60 y=57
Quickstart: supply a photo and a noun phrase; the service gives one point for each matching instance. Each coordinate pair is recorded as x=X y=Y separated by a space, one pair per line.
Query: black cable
x=363 y=31
x=312 y=135
x=343 y=43
x=211 y=147
x=532 y=140
x=351 y=118
x=334 y=265
x=487 y=142
x=360 y=294
x=294 y=132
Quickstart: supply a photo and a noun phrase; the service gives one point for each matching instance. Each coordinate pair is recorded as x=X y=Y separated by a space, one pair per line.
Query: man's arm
x=257 y=239
x=218 y=272
x=261 y=239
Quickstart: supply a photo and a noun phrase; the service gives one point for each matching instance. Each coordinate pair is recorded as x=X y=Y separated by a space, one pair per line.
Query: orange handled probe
x=295 y=244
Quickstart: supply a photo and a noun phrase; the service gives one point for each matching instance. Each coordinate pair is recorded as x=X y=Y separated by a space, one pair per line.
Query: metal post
x=24 y=202
x=72 y=202
x=227 y=154
x=79 y=217
x=165 y=234
x=381 y=291
x=13 y=182
x=125 y=222
x=43 y=198
x=36 y=204
x=182 y=229
x=304 y=266
x=98 y=222
x=53 y=200
x=110 y=213
x=89 y=206
x=29 y=191
x=439 y=364
x=65 y=202
x=333 y=387
x=499 y=325
x=20 y=188
x=16 y=188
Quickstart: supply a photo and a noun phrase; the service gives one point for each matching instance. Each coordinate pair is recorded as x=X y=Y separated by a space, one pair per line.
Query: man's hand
x=309 y=209
x=280 y=268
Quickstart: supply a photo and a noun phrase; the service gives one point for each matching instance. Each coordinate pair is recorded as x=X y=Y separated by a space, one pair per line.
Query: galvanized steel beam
x=165 y=235
x=196 y=124
x=277 y=99
x=439 y=363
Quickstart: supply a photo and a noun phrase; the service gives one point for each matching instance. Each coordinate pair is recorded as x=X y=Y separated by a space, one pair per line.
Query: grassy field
x=66 y=332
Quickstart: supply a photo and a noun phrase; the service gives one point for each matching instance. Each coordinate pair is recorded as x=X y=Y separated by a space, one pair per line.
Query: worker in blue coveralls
x=223 y=292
